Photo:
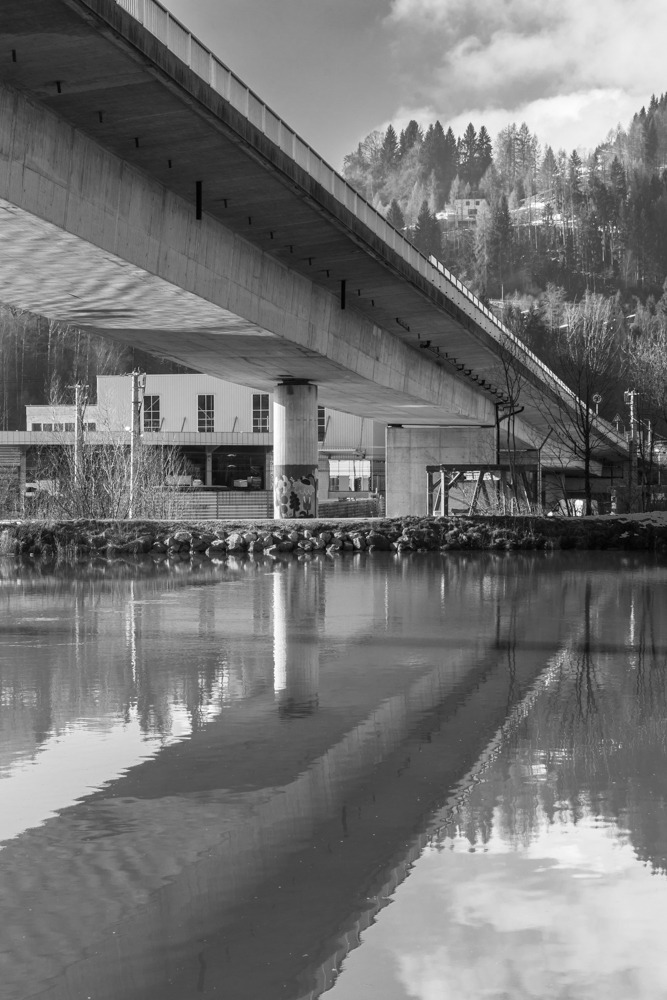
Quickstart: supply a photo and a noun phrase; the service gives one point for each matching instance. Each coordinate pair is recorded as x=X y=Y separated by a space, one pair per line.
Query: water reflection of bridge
x=236 y=858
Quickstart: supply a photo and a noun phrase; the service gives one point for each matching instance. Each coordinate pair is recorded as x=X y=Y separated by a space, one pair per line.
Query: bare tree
x=510 y=375
x=102 y=487
x=585 y=352
x=645 y=353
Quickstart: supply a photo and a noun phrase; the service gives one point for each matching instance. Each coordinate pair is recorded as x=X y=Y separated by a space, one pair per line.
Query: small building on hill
x=464 y=212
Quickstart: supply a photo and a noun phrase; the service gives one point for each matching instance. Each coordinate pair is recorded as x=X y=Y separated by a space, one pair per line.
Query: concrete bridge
x=146 y=193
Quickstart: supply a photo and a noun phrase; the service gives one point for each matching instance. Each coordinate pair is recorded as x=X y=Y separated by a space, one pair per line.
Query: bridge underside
x=105 y=135
x=137 y=201
x=59 y=275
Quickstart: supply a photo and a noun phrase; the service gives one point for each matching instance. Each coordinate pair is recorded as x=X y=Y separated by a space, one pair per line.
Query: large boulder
x=236 y=542
x=380 y=542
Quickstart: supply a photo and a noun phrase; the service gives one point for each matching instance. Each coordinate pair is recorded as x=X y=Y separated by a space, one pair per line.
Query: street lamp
x=629 y=400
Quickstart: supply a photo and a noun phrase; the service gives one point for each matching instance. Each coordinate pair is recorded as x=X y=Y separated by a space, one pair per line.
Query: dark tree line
x=40 y=361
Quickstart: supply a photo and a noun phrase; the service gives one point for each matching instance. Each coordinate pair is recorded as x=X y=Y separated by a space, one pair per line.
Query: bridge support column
x=410 y=450
x=295 y=449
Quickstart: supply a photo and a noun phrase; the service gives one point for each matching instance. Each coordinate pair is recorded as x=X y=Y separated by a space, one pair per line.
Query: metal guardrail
x=179 y=40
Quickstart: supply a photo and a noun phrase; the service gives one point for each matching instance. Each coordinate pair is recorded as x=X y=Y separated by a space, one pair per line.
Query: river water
x=376 y=778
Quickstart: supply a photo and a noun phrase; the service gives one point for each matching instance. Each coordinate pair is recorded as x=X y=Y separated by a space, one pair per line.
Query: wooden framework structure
x=493 y=485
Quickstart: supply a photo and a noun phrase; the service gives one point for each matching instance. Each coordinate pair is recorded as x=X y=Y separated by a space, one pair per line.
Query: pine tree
x=500 y=244
x=450 y=162
x=505 y=155
x=651 y=145
x=548 y=174
x=618 y=182
x=411 y=135
x=468 y=155
x=395 y=216
x=483 y=153
x=574 y=181
x=427 y=237
x=435 y=164
x=389 y=152
x=427 y=153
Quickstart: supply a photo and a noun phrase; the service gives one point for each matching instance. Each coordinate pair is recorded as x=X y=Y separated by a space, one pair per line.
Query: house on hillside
x=465 y=212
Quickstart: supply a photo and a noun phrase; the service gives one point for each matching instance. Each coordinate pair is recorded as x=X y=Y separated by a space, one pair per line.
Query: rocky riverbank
x=68 y=540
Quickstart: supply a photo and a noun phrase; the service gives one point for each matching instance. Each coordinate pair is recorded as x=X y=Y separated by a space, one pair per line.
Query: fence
x=211 y=504
x=373 y=507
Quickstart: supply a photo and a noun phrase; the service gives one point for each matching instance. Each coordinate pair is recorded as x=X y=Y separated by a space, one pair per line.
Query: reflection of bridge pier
x=296 y=656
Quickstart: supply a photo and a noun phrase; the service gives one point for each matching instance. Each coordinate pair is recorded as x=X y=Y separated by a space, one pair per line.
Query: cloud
x=577 y=64
x=573 y=914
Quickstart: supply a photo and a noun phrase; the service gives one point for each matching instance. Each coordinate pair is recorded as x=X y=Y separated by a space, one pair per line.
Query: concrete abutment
x=410 y=450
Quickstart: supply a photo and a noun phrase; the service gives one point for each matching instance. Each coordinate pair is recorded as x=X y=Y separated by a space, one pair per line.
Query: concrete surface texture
x=411 y=450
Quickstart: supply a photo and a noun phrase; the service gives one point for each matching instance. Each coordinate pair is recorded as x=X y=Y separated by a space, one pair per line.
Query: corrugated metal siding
x=233 y=407
x=178 y=413
x=10 y=457
x=178 y=401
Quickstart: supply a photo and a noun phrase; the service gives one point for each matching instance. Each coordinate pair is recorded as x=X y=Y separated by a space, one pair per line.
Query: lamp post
x=629 y=400
x=80 y=401
x=138 y=387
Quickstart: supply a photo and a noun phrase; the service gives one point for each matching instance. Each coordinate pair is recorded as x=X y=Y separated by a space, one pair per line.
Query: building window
x=151 y=413
x=47 y=427
x=90 y=427
x=205 y=414
x=35 y=427
x=260 y=413
x=69 y=427
x=349 y=475
x=321 y=424
x=58 y=427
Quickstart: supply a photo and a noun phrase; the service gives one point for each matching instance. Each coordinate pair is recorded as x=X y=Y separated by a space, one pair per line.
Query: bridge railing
x=169 y=30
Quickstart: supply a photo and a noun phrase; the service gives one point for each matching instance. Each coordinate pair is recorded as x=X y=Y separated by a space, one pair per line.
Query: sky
x=337 y=69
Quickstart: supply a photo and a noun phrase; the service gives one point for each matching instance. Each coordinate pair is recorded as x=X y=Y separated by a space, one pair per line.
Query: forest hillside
x=595 y=221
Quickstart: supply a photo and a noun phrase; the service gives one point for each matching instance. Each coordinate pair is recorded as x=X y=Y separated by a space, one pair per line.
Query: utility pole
x=138 y=386
x=629 y=400
x=80 y=400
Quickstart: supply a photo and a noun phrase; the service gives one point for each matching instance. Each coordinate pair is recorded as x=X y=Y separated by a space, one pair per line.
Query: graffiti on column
x=296 y=496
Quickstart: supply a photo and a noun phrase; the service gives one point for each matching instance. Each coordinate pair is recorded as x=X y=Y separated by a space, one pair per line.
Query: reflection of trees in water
x=595 y=742
x=105 y=647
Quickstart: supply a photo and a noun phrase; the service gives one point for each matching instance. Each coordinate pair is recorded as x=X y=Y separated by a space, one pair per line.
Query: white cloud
x=572 y=70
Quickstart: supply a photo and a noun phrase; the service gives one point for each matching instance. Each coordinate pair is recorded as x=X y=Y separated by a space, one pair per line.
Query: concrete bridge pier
x=295 y=454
